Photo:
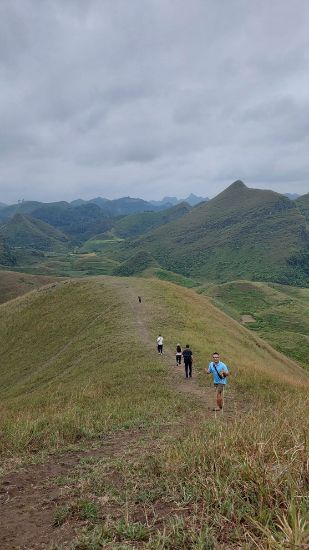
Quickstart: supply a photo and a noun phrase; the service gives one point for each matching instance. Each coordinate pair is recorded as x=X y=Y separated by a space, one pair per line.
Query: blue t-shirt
x=220 y=367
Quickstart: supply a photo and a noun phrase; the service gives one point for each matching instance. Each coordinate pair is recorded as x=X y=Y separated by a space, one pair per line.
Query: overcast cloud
x=152 y=97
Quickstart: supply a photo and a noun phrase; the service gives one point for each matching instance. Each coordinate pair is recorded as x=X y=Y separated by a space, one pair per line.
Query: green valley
x=279 y=313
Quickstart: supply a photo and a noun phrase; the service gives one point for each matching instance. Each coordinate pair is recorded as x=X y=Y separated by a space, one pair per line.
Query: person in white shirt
x=160 y=343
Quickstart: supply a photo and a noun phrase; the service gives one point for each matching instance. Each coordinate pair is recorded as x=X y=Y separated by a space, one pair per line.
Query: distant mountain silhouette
x=291 y=196
x=192 y=199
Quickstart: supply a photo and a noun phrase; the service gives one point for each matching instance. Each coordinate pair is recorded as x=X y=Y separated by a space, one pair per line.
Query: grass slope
x=232 y=236
x=14 y=284
x=66 y=369
x=89 y=370
x=51 y=378
x=281 y=313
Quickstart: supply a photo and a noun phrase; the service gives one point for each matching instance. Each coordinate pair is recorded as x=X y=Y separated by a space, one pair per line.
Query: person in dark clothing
x=178 y=355
x=188 y=359
x=140 y=299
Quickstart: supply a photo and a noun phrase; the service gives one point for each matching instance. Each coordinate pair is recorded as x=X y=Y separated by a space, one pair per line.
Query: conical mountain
x=241 y=233
x=26 y=232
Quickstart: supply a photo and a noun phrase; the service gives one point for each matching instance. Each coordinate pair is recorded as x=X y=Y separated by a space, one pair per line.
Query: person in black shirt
x=178 y=355
x=188 y=359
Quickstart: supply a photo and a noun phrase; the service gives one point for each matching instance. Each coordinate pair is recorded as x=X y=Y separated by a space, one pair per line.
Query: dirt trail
x=177 y=379
x=29 y=497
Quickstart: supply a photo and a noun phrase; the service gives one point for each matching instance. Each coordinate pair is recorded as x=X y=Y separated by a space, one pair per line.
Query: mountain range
x=241 y=233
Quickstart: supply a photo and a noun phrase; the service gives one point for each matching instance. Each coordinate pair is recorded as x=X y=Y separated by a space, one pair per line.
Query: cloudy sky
x=152 y=97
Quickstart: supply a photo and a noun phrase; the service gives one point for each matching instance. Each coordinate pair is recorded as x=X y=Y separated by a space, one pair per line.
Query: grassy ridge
x=72 y=367
x=68 y=373
x=184 y=316
x=236 y=485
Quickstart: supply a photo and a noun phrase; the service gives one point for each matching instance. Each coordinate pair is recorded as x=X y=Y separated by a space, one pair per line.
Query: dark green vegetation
x=237 y=481
x=135 y=264
x=303 y=205
x=78 y=223
x=24 y=232
x=280 y=313
x=241 y=233
x=7 y=257
x=139 y=224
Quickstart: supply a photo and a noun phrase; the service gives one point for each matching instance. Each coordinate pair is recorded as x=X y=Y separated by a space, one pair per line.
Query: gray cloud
x=144 y=98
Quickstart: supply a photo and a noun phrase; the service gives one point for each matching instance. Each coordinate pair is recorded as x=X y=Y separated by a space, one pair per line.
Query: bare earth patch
x=247 y=319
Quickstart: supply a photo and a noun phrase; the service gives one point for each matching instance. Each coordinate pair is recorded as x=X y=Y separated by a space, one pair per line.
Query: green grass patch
x=281 y=313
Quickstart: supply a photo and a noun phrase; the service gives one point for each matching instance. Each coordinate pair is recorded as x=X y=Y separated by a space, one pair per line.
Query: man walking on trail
x=160 y=343
x=188 y=359
x=220 y=372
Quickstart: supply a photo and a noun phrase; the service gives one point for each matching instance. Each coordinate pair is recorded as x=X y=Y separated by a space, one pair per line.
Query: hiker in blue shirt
x=220 y=372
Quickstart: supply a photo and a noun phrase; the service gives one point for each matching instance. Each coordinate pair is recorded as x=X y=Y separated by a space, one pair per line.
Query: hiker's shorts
x=219 y=387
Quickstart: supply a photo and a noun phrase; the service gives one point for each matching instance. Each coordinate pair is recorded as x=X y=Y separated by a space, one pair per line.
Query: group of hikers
x=216 y=368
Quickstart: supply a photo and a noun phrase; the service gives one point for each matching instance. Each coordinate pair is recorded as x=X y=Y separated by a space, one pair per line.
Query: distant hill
x=22 y=231
x=291 y=196
x=2 y=205
x=136 y=264
x=139 y=224
x=81 y=219
x=303 y=205
x=25 y=207
x=241 y=233
x=78 y=223
x=127 y=205
x=120 y=207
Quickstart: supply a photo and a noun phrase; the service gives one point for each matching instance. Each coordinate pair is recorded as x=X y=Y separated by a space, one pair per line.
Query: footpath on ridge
x=30 y=496
x=176 y=380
